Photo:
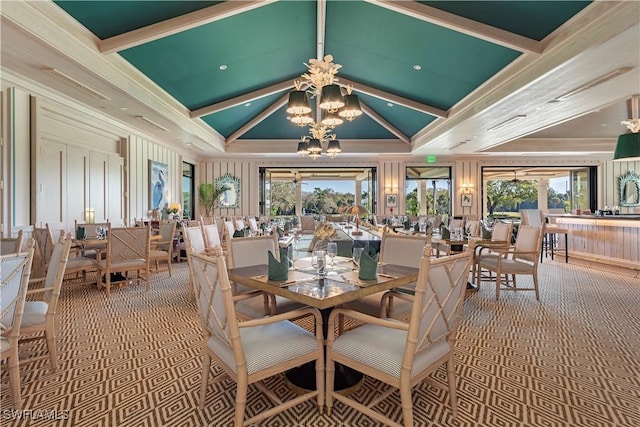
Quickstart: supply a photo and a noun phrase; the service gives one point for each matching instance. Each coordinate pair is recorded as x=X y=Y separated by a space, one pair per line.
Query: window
x=188 y=190
x=428 y=190
x=297 y=191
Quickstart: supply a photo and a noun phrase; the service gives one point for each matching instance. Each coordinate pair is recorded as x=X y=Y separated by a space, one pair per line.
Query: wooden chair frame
x=220 y=324
x=127 y=250
x=34 y=320
x=15 y=270
x=429 y=334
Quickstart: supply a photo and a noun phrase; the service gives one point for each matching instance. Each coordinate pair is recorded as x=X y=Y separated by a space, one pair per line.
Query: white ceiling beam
x=385 y=124
x=259 y=118
x=463 y=25
x=321 y=23
x=178 y=24
x=399 y=100
x=242 y=99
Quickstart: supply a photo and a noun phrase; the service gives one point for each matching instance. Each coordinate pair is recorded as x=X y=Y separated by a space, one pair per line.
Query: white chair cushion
x=123 y=265
x=508 y=266
x=360 y=343
x=155 y=253
x=267 y=345
x=80 y=262
x=35 y=313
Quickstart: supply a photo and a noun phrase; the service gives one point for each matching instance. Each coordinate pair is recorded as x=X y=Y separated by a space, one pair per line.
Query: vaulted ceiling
x=433 y=77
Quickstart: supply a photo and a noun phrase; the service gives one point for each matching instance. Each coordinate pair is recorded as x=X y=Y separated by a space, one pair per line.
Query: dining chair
x=239 y=223
x=472 y=228
x=500 y=241
x=404 y=354
x=211 y=235
x=397 y=249
x=194 y=242
x=229 y=231
x=253 y=226
x=252 y=351
x=163 y=249
x=75 y=263
x=251 y=251
x=15 y=269
x=127 y=250
x=40 y=309
x=522 y=259
x=11 y=245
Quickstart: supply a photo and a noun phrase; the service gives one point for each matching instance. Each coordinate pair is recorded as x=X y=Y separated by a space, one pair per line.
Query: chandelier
x=319 y=83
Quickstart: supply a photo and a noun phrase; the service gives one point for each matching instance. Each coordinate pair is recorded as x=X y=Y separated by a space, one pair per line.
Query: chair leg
x=108 y=284
x=330 y=370
x=50 y=336
x=241 y=399
x=169 y=265
x=498 y=280
x=535 y=285
x=451 y=377
x=14 y=377
x=206 y=366
x=320 y=378
x=407 y=404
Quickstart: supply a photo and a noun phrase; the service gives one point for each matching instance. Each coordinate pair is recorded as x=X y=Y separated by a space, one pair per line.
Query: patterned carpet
x=134 y=360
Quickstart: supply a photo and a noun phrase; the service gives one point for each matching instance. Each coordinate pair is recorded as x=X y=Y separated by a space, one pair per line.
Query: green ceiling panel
x=533 y=19
x=109 y=18
x=230 y=120
x=259 y=47
x=270 y=44
x=407 y=120
x=381 y=50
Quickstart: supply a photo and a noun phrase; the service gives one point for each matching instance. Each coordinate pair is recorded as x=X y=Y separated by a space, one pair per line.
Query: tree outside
x=507 y=196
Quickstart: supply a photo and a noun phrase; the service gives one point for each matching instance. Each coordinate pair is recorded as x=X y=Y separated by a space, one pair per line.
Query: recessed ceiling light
x=417 y=67
x=389 y=104
x=603 y=125
x=124 y=108
x=223 y=67
x=248 y=104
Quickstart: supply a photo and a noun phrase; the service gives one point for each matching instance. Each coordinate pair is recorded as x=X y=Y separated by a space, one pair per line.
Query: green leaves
x=208 y=194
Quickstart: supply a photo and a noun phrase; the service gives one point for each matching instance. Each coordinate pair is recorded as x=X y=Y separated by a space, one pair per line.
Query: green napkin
x=486 y=234
x=278 y=270
x=446 y=234
x=368 y=267
x=238 y=233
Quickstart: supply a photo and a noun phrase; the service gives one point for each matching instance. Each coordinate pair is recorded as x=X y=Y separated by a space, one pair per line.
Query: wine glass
x=332 y=251
x=292 y=253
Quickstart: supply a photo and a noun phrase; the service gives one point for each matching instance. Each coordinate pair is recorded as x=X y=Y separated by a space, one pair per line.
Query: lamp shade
x=331 y=98
x=331 y=119
x=334 y=146
x=175 y=207
x=298 y=103
x=302 y=120
x=351 y=108
x=313 y=146
x=302 y=148
x=627 y=148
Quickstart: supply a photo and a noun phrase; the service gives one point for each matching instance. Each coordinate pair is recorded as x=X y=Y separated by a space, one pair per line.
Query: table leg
x=303 y=377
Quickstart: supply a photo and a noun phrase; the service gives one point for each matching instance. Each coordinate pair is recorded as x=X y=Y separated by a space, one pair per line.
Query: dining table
x=340 y=285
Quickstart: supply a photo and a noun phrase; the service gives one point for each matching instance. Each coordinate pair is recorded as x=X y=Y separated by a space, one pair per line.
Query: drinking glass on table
x=292 y=254
x=357 y=253
x=332 y=251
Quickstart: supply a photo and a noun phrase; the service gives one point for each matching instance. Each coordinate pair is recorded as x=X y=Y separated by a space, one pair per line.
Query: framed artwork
x=231 y=197
x=392 y=200
x=467 y=200
x=158 y=185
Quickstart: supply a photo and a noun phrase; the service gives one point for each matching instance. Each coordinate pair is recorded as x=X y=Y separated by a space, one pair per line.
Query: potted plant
x=208 y=194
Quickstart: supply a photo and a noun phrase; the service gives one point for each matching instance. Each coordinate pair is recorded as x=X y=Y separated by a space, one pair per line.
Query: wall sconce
x=90 y=216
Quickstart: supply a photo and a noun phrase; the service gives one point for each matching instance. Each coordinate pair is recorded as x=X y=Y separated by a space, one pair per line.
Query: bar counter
x=611 y=239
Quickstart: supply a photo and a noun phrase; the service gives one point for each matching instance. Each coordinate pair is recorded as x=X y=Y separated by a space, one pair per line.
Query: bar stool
x=551 y=232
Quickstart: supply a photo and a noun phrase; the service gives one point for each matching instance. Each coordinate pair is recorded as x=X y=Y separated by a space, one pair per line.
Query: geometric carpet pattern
x=571 y=359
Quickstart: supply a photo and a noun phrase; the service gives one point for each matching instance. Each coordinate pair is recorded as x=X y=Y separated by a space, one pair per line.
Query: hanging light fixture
x=319 y=82
x=628 y=146
x=351 y=108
